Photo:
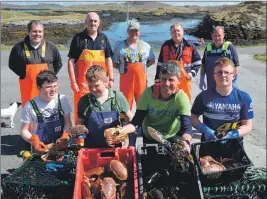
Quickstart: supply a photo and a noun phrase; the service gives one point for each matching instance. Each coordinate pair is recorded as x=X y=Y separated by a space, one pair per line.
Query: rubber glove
x=230 y=135
x=80 y=140
x=37 y=144
x=202 y=84
x=208 y=133
x=53 y=167
x=234 y=81
x=63 y=141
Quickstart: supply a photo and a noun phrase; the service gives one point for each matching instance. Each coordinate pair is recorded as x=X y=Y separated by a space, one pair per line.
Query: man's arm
x=109 y=65
x=129 y=115
x=160 y=63
x=245 y=128
x=151 y=57
x=67 y=122
x=196 y=62
x=73 y=83
x=15 y=63
x=25 y=133
x=57 y=62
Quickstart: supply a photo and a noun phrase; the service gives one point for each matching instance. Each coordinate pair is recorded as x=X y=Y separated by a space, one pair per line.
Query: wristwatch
x=111 y=80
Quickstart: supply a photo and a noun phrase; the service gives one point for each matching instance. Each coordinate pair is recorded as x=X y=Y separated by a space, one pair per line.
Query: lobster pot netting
x=33 y=181
x=253 y=184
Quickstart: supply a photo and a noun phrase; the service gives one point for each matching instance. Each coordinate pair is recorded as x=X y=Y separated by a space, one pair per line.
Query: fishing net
x=253 y=184
x=33 y=181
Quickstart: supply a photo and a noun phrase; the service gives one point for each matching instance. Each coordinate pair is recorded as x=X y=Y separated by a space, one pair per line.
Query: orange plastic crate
x=92 y=158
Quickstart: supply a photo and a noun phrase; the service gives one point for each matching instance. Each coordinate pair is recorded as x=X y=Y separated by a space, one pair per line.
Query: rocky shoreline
x=244 y=31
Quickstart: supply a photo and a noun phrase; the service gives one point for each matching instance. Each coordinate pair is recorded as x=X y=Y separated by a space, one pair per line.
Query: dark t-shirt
x=82 y=41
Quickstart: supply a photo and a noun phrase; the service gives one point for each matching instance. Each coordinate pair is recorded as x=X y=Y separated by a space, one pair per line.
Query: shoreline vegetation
x=244 y=23
x=260 y=57
x=62 y=47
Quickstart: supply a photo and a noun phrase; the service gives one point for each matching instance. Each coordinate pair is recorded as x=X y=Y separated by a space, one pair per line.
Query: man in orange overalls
x=184 y=53
x=132 y=57
x=29 y=57
x=88 y=48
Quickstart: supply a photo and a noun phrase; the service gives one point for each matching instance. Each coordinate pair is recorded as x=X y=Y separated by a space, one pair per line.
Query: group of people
x=164 y=106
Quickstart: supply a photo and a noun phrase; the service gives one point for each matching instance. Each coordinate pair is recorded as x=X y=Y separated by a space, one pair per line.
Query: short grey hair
x=171 y=67
x=215 y=28
x=33 y=22
x=176 y=24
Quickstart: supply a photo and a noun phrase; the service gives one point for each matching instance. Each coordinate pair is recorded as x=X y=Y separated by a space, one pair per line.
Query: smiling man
x=227 y=111
x=164 y=107
x=29 y=57
x=48 y=113
x=219 y=48
x=132 y=57
x=90 y=47
x=184 y=53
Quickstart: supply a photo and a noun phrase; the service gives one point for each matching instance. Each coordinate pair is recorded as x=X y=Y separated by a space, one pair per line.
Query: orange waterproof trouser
x=133 y=83
x=185 y=84
x=86 y=59
x=28 y=87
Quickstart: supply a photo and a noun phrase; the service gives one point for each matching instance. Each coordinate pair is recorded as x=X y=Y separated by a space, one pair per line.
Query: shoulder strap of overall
x=103 y=42
x=61 y=112
x=209 y=47
x=27 y=51
x=114 y=104
x=36 y=110
x=89 y=107
x=225 y=47
x=127 y=48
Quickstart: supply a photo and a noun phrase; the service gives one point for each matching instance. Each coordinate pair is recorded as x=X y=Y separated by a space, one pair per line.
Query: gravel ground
x=252 y=79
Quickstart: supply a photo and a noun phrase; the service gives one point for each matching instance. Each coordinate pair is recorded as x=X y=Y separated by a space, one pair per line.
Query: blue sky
x=180 y=3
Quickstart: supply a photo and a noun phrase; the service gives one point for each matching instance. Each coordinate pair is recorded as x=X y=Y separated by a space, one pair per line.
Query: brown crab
x=108 y=188
x=85 y=188
x=113 y=134
x=119 y=169
x=209 y=165
x=53 y=153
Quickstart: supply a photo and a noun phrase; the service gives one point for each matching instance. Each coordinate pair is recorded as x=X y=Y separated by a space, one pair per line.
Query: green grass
x=14 y=16
x=260 y=57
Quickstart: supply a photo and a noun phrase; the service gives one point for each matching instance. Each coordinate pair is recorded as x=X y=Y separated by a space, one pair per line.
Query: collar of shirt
x=111 y=95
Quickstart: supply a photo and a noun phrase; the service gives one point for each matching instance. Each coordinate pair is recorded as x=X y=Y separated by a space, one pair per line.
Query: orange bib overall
x=185 y=84
x=133 y=82
x=28 y=87
x=87 y=58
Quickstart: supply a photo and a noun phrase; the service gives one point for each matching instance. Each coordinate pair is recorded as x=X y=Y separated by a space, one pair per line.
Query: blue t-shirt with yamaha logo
x=223 y=113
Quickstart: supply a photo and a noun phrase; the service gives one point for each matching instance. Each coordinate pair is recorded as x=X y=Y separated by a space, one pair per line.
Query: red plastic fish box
x=92 y=158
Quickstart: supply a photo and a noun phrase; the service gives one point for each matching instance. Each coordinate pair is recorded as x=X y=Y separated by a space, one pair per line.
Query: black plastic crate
x=153 y=158
x=232 y=149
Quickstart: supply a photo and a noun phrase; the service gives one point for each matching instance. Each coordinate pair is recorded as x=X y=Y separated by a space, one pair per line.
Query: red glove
x=37 y=144
x=63 y=141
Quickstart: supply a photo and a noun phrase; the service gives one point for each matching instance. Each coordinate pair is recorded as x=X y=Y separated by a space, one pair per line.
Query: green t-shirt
x=105 y=107
x=164 y=115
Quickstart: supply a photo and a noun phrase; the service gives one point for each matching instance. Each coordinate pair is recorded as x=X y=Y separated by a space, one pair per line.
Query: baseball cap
x=134 y=25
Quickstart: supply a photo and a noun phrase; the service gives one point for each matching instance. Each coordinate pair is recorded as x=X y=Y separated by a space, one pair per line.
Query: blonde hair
x=224 y=62
x=95 y=73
